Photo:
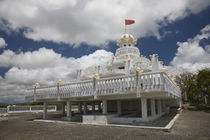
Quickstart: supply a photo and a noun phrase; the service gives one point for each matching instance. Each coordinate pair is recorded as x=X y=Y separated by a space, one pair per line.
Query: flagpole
x=128 y=22
x=125 y=28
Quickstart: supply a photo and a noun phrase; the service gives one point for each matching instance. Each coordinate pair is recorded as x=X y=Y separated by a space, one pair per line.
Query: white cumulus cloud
x=93 y=21
x=3 y=44
x=190 y=55
x=44 y=66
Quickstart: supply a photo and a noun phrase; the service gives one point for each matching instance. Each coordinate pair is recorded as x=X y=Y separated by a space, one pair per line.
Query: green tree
x=203 y=83
x=183 y=79
x=192 y=90
x=196 y=86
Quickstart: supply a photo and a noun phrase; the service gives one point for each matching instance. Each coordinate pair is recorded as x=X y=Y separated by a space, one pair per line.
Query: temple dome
x=127 y=36
x=126 y=39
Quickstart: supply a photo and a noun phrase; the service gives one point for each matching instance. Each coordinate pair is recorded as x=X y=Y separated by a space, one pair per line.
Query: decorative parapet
x=146 y=82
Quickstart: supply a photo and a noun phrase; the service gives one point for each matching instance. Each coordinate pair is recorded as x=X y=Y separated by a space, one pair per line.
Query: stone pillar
x=155 y=63
x=68 y=103
x=45 y=110
x=119 y=112
x=159 y=107
x=180 y=102
x=164 y=105
x=63 y=109
x=153 y=107
x=85 y=108
x=144 y=109
x=93 y=107
x=79 y=107
x=8 y=108
x=104 y=107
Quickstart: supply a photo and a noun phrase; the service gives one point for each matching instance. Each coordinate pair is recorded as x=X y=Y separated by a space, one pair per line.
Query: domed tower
x=127 y=48
x=126 y=60
x=127 y=57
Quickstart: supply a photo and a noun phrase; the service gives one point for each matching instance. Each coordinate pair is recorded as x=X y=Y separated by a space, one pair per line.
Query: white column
x=159 y=107
x=63 y=109
x=104 y=107
x=93 y=107
x=153 y=107
x=85 y=108
x=144 y=109
x=164 y=105
x=155 y=64
x=119 y=107
x=8 y=108
x=68 y=103
x=180 y=102
x=45 y=110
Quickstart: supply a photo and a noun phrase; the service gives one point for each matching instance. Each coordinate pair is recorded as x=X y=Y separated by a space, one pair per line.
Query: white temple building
x=129 y=89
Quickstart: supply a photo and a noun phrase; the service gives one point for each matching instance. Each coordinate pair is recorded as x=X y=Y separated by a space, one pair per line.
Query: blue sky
x=58 y=38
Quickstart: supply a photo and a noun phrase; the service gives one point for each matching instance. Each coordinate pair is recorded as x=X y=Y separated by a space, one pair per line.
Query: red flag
x=128 y=22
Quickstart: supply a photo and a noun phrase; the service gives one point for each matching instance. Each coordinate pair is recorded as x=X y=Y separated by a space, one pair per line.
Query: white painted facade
x=129 y=89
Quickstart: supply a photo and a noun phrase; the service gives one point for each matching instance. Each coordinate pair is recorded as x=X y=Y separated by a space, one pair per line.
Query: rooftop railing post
x=137 y=79
x=8 y=108
x=138 y=70
x=35 y=87
x=58 y=93
x=95 y=77
x=162 y=79
x=34 y=93
x=137 y=85
x=58 y=89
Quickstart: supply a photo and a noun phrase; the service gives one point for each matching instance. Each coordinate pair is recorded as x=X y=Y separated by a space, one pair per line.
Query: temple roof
x=126 y=38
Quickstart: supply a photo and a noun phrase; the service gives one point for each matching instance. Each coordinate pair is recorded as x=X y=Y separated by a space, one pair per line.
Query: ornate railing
x=83 y=88
x=116 y=85
x=36 y=108
x=141 y=82
x=171 y=87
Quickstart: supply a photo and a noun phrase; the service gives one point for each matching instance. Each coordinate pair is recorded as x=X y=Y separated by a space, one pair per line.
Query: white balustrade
x=171 y=87
x=151 y=81
x=37 y=108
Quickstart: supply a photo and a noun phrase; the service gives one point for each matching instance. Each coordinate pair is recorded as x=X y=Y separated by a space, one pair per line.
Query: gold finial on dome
x=154 y=55
x=139 y=69
x=171 y=76
x=37 y=85
x=165 y=69
x=126 y=38
x=96 y=76
x=161 y=62
x=59 y=82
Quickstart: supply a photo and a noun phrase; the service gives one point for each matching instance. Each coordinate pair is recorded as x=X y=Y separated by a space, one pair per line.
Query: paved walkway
x=192 y=124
